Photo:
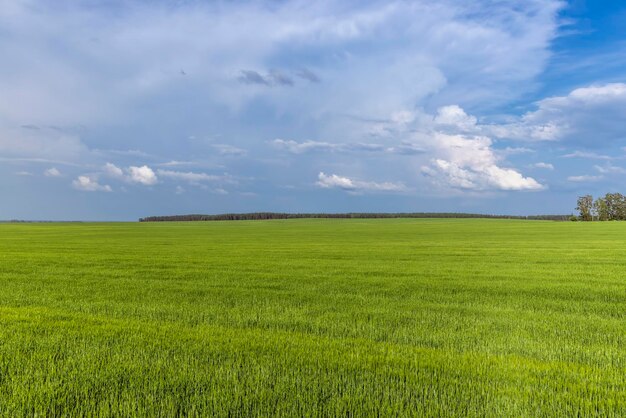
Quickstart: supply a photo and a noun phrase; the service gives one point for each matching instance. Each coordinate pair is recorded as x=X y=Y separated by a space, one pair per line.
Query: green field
x=314 y=318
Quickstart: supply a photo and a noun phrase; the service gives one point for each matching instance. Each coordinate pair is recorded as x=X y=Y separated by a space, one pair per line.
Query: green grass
x=314 y=318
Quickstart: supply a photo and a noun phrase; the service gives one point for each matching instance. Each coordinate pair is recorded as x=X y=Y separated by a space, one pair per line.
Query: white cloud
x=546 y=166
x=454 y=116
x=139 y=175
x=334 y=181
x=143 y=175
x=584 y=178
x=52 y=172
x=488 y=177
x=146 y=176
x=89 y=184
x=590 y=116
x=478 y=52
x=435 y=53
x=470 y=163
x=114 y=171
x=448 y=153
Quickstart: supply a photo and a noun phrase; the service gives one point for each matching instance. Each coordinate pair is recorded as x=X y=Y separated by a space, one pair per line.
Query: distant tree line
x=611 y=207
x=274 y=215
x=26 y=221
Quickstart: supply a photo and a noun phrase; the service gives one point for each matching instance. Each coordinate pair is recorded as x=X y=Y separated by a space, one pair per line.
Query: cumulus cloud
x=333 y=180
x=52 y=172
x=329 y=181
x=140 y=175
x=470 y=163
x=114 y=171
x=458 y=156
x=89 y=184
x=488 y=177
x=454 y=116
x=143 y=175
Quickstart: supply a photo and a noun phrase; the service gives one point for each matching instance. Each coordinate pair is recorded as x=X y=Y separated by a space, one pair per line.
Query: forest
x=276 y=215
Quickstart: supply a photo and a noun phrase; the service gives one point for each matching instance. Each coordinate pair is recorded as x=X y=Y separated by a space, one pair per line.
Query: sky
x=116 y=110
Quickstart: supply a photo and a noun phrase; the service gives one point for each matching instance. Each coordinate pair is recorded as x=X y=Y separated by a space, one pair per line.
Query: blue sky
x=118 y=110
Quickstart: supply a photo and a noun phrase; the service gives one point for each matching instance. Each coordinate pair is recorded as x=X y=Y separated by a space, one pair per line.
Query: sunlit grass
x=314 y=317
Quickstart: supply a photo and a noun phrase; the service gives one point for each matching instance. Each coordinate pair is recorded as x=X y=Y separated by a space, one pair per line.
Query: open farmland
x=314 y=318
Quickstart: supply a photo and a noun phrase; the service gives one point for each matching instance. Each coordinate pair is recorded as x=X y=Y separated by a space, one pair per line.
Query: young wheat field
x=323 y=317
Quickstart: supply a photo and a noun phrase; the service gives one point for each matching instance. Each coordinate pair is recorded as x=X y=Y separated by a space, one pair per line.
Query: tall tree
x=600 y=209
x=615 y=206
x=584 y=207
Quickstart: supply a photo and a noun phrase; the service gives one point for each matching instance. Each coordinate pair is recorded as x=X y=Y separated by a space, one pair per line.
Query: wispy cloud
x=272 y=78
x=584 y=178
x=608 y=168
x=252 y=77
x=225 y=149
x=308 y=75
x=304 y=147
x=175 y=163
x=589 y=155
x=543 y=165
x=39 y=161
x=189 y=176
